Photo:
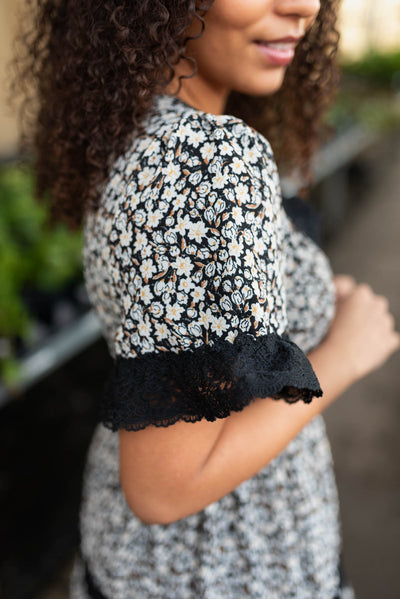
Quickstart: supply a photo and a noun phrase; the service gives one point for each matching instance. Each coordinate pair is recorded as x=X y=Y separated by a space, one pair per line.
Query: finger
x=344 y=285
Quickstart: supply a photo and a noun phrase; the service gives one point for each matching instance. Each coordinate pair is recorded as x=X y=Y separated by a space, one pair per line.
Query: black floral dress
x=209 y=296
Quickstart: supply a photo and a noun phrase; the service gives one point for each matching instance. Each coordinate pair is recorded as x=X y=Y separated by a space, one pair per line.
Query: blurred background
x=53 y=358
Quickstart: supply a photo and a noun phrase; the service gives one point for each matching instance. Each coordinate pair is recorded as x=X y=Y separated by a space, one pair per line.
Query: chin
x=265 y=86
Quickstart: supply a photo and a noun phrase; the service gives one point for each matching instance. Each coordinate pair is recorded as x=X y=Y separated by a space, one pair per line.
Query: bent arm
x=169 y=473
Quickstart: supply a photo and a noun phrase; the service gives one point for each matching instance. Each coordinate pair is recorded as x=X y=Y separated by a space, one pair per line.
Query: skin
x=226 y=55
x=169 y=473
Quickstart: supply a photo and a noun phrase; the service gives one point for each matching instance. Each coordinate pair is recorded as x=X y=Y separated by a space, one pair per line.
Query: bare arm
x=170 y=473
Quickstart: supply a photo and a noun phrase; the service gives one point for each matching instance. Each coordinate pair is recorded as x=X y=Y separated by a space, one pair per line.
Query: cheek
x=237 y=14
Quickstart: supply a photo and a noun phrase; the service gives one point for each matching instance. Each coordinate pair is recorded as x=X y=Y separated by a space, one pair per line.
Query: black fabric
x=92 y=589
x=305 y=217
x=207 y=382
x=344 y=580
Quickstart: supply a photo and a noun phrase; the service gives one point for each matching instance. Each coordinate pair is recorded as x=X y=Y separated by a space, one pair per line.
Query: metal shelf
x=54 y=352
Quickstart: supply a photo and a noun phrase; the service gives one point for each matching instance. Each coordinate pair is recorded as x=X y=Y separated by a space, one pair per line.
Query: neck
x=200 y=94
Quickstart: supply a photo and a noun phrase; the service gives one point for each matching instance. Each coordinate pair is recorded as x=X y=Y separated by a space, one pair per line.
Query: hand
x=363 y=329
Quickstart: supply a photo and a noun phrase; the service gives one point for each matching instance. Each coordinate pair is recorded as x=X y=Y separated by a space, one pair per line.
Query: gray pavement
x=363 y=424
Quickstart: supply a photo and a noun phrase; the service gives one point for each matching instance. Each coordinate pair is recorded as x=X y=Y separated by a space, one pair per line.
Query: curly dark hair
x=87 y=72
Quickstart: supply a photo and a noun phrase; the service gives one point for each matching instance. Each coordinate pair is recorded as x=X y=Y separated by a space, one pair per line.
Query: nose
x=303 y=9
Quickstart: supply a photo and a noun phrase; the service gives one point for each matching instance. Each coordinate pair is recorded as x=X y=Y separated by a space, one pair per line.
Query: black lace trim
x=305 y=217
x=208 y=382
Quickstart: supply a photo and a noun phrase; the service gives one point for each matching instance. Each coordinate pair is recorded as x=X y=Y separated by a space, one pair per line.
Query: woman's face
x=246 y=46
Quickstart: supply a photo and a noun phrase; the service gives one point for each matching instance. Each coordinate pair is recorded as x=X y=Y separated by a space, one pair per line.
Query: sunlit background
x=369 y=25
x=52 y=356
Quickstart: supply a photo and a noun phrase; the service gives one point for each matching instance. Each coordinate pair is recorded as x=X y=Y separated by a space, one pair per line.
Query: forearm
x=250 y=439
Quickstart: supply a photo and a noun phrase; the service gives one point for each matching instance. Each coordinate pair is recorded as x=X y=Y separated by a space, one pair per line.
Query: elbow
x=154 y=516
x=150 y=511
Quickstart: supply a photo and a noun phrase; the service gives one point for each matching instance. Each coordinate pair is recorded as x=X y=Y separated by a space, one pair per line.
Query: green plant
x=32 y=255
x=379 y=68
x=369 y=94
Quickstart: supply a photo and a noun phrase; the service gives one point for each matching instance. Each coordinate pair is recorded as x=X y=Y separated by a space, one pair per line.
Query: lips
x=278 y=52
x=278 y=45
x=290 y=39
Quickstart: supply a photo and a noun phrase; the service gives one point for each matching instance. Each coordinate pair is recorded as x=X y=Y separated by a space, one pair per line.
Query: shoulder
x=178 y=141
x=222 y=150
x=195 y=164
x=171 y=124
x=226 y=137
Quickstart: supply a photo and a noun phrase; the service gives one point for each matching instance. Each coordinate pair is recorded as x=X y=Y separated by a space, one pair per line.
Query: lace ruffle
x=208 y=382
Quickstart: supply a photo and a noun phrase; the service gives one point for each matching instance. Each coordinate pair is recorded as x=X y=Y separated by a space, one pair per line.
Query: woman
x=229 y=332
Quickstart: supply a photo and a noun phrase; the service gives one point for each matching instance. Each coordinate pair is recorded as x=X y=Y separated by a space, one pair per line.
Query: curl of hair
x=87 y=73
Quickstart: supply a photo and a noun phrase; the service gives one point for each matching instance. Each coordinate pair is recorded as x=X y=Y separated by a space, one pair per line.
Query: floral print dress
x=209 y=297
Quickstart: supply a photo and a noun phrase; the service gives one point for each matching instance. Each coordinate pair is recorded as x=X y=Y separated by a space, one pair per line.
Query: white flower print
x=153 y=149
x=238 y=166
x=259 y=245
x=145 y=294
x=144 y=327
x=147 y=269
x=116 y=181
x=185 y=284
x=133 y=196
x=246 y=292
x=198 y=294
x=183 y=266
x=226 y=304
x=161 y=331
x=251 y=155
x=257 y=312
x=182 y=224
x=237 y=214
x=174 y=311
x=225 y=149
x=230 y=230
x=145 y=176
x=237 y=297
x=214 y=244
x=140 y=217
x=126 y=237
x=242 y=193
x=196 y=231
x=179 y=200
x=105 y=253
x=235 y=247
x=181 y=298
x=207 y=151
x=231 y=336
x=249 y=258
x=157 y=309
x=154 y=218
x=169 y=193
x=195 y=137
x=121 y=221
x=220 y=180
x=127 y=301
x=205 y=318
x=171 y=172
x=194 y=329
x=219 y=206
x=140 y=242
x=218 y=325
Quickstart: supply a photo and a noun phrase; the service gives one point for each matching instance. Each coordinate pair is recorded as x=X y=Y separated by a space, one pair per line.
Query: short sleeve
x=203 y=328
